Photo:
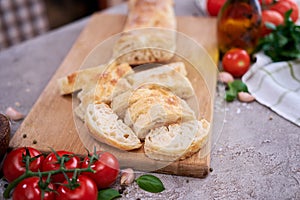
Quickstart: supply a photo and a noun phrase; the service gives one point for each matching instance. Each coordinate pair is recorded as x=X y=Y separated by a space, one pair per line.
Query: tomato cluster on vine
x=58 y=175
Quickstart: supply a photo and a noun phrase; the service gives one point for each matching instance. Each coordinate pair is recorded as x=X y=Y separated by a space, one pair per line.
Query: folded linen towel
x=276 y=85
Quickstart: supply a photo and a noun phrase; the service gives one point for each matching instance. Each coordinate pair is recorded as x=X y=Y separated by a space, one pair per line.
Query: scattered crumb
x=17 y=104
x=266 y=141
x=238 y=111
x=27 y=90
x=270 y=118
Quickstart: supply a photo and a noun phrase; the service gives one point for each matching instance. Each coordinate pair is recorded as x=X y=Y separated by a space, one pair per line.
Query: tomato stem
x=30 y=173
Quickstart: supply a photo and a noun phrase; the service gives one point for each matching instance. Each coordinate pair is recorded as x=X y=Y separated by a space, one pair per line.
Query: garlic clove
x=245 y=97
x=225 y=77
x=13 y=114
x=127 y=176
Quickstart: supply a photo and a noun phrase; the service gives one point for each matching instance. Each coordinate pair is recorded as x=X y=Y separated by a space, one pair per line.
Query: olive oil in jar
x=239 y=25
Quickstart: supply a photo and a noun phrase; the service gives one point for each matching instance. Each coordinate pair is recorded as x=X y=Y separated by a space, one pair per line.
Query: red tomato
x=236 y=62
x=107 y=169
x=282 y=6
x=214 y=6
x=29 y=189
x=270 y=16
x=51 y=162
x=14 y=163
x=87 y=189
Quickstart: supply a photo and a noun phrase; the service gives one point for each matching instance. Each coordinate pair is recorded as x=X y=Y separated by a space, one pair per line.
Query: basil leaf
x=108 y=194
x=239 y=86
x=150 y=183
x=230 y=95
x=234 y=88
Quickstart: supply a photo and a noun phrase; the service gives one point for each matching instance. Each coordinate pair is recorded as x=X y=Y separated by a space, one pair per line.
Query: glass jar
x=239 y=25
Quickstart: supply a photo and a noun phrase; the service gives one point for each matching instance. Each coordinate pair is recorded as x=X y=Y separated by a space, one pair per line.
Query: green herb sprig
x=234 y=88
x=283 y=43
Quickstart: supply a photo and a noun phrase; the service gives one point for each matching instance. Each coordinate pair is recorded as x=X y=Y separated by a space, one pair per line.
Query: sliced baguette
x=176 y=141
x=109 y=84
x=152 y=106
x=105 y=127
x=84 y=79
x=120 y=103
x=171 y=76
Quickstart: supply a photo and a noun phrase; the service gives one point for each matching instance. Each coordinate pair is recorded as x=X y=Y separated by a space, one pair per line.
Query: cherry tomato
x=106 y=169
x=270 y=16
x=14 y=163
x=29 y=189
x=282 y=6
x=236 y=62
x=87 y=189
x=52 y=162
x=214 y=6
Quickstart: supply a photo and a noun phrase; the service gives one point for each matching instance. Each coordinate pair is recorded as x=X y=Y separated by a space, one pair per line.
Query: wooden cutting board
x=50 y=123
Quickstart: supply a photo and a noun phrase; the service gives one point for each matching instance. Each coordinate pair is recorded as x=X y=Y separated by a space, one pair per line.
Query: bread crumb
x=270 y=118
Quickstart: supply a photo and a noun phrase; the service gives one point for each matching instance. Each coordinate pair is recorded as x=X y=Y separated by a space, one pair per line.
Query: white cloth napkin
x=276 y=85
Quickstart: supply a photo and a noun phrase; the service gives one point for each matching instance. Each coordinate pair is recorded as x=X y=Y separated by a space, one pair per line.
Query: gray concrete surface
x=256 y=154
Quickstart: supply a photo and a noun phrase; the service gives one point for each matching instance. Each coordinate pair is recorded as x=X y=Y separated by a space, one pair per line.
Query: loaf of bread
x=105 y=127
x=176 y=141
x=138 y=45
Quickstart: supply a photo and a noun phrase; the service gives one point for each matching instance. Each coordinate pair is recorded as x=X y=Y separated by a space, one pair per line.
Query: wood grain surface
x=51 y=123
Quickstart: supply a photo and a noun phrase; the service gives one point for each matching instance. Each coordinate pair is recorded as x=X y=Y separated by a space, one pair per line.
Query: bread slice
x=176 y=141
x=120 y=103
x=89 y=97
x=171 y=76
x=105 y=127
x=152 y=106
x=109 y=84
x=84 y=79
x=137 y=45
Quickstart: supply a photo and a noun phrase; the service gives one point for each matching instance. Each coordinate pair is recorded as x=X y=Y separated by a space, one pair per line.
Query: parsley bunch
x=283 y=43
